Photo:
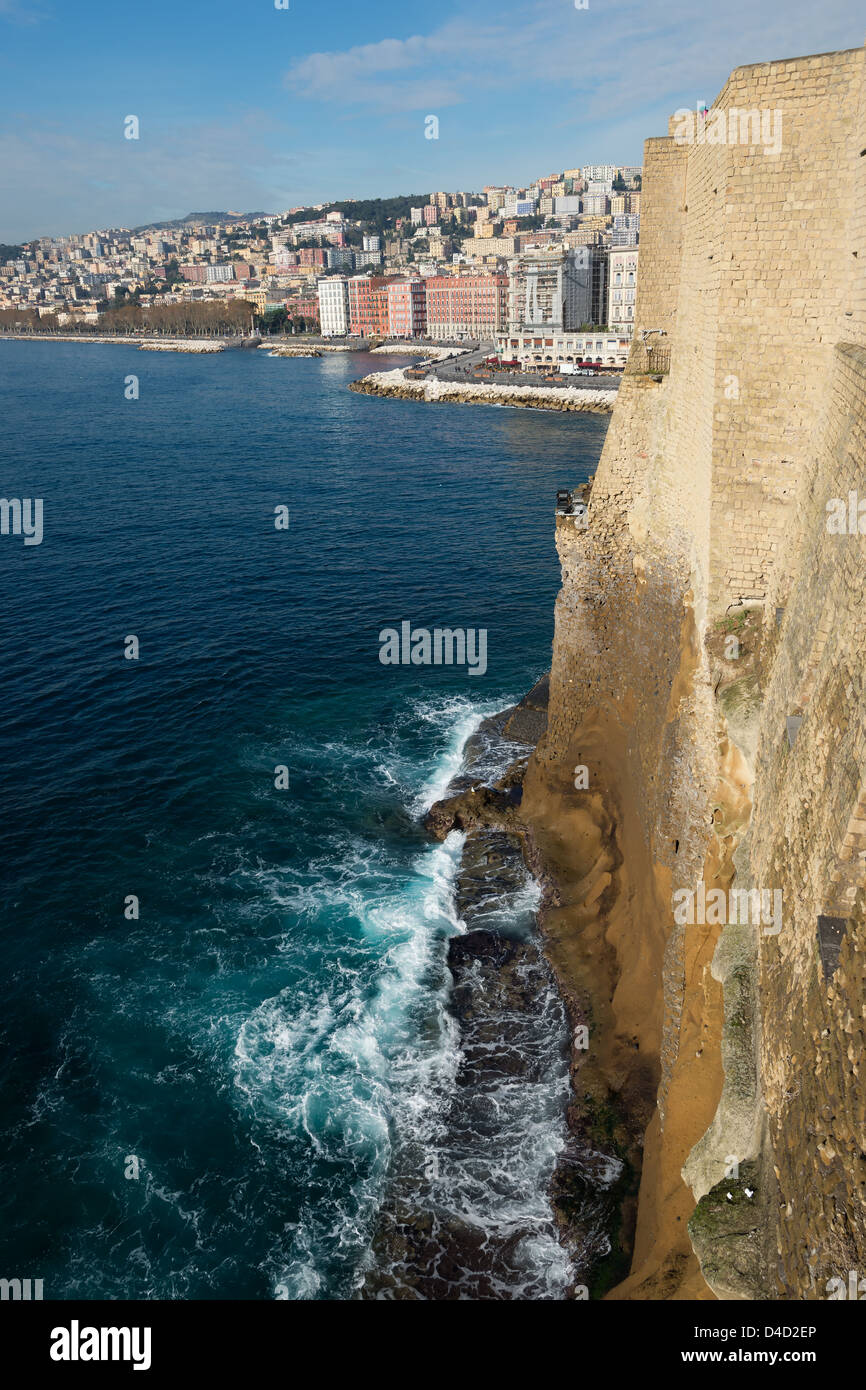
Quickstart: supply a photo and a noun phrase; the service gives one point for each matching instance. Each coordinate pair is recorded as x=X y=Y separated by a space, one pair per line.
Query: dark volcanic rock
x=480 y=807
x=491 y=872
x=474 y=1199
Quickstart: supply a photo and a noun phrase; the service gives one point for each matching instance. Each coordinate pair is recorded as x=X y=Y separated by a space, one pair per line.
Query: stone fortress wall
x=709 y=511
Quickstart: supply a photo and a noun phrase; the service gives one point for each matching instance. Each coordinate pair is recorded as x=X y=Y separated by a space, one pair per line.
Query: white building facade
x=547 y=351
x=334 y=306
x=622 y=290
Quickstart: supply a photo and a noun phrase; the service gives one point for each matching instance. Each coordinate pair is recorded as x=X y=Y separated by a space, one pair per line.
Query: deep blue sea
x=204 y=1101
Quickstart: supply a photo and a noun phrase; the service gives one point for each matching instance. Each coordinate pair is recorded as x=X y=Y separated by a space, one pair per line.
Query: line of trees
x=281 y=322
x=215 y=318
x=377 y=214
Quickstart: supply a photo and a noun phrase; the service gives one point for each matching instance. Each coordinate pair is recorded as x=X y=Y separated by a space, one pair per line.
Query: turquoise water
x=273 y=1026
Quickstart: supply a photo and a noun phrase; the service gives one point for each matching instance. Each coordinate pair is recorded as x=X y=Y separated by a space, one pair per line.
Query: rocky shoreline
x=397 y=385
x=188 y=345
x=510 y=1006
x=433 y=354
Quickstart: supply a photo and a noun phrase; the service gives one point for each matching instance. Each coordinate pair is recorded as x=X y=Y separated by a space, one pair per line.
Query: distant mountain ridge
x=192 y=218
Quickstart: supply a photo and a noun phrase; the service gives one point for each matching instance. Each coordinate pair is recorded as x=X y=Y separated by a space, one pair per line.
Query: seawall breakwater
x=396 y=385
x=127 y=340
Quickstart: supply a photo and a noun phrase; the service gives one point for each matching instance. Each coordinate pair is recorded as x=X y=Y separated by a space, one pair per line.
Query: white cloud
x=616 y=52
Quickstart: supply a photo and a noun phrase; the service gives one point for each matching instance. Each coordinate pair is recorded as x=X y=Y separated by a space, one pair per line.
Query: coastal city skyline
x=298 y=110
x=494 y=267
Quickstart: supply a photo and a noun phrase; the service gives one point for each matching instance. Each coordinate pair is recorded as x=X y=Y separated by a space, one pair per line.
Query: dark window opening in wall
x=780 y=613
x=831 y=934
x=792 y=724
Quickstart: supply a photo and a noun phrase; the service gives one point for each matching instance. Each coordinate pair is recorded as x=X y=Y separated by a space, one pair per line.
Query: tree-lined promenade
x=232 y=318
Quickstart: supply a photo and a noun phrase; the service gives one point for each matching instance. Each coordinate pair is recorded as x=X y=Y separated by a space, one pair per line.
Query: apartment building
x=622 y=276
x=368 y=306
x=466 y=306
x=583 y=236
x=495 y=197
x=258 y=298
x=625 y=231
x=519 y=207
x=604 y=173
x=407 y=308
x=493 y=245
x=306 y=305
x=556 y=289
x=334 y=306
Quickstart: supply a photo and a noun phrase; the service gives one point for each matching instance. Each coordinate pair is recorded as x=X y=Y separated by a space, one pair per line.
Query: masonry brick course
x=711 y=493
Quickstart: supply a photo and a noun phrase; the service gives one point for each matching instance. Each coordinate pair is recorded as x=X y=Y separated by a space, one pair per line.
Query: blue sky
x=243 y=106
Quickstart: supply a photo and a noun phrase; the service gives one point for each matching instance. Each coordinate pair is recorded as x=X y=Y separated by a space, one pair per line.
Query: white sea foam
x=363 y=1061
x=457 y=719
x=351 y=1066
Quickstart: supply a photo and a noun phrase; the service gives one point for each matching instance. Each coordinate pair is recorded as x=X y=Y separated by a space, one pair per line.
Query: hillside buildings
x=456 y=266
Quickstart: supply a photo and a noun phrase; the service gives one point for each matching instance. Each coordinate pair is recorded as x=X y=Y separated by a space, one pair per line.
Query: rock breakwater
x=431 y=389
